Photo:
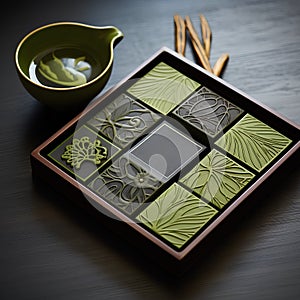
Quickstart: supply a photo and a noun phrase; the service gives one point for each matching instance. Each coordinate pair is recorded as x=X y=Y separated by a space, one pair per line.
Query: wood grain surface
x=50 y=249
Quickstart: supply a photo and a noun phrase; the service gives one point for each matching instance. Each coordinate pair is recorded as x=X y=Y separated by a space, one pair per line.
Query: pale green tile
x=217 y=178
x=163 y=88
x=253 y=142
x=177 y=215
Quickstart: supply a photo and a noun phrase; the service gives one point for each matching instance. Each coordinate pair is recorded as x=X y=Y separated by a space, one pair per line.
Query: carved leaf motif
x=217 y=178
x=163 y=88
x=253 y=142
x=177 y=215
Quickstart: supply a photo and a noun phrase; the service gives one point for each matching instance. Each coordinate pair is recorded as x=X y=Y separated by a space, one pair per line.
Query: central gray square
x=166 y=151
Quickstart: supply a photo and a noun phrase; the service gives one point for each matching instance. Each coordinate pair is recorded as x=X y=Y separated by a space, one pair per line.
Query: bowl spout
x=109 y=36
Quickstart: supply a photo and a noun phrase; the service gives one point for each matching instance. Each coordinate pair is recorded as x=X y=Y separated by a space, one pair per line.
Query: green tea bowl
x=65 y=65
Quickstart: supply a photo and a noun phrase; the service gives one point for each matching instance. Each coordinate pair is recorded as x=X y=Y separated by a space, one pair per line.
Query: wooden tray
x=170 y=151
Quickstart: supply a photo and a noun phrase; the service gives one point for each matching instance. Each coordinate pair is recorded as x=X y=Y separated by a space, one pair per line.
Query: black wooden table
x=51 y=250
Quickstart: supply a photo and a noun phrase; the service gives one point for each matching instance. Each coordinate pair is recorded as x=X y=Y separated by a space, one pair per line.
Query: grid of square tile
x=178 y=212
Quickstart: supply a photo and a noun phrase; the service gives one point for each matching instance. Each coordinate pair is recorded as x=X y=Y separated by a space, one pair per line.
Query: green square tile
x=217 y=178
x=177 y=215
x=83 y=153
x=123 y=120
x=163 y=88
x=253 y=142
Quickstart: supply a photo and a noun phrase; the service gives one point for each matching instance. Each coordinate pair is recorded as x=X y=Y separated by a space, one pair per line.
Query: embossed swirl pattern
x=208 y=111
x=123 y=120
x=217 y=178
x=253 y=142
x=177 y=215
x=163 y=88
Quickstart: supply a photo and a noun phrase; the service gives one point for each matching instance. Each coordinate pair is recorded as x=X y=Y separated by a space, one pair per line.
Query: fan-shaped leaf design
x=163 y=88
x=176 y=215
x=208 y=111
x=217 y=178
x=82 y=150
x=253 y=142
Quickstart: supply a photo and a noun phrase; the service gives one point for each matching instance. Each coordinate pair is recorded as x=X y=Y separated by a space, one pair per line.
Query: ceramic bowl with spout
x=66 y=64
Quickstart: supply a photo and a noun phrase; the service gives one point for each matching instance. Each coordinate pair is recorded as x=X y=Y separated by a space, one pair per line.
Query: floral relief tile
x=125 y=184
x=83 y=153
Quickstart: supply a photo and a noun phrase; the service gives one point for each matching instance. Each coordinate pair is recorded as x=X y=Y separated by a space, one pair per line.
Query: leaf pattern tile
x=177 y=215
x=125 y=184
x=217 y=178
x=123 y=120
x=163 y=88
x=253 y=142
x=208 y=111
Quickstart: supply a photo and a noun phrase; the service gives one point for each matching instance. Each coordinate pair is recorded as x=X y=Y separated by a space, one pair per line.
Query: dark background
x=50 y=249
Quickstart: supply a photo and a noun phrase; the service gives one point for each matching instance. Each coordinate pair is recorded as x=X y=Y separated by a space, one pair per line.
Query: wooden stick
x=206 y=35
x=197 y=45
x=180 y=37
x=220 y=64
